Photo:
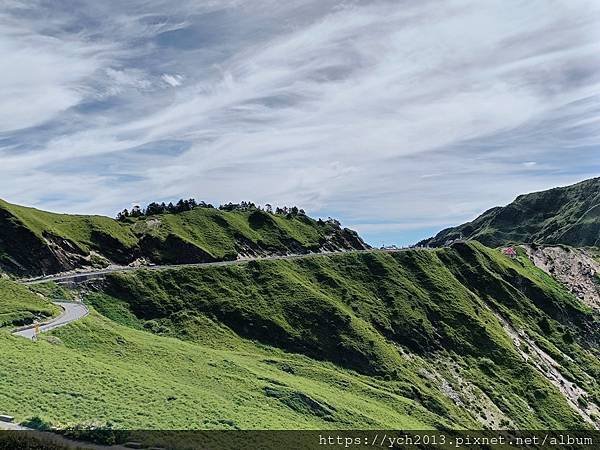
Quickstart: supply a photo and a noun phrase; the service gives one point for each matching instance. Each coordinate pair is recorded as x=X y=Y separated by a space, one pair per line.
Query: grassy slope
x=78 y=229
x=354 y=310
x=18 y=305
x=352 y=341
x=108 y=372
x=568 y=215
x=99 y=370
x=195 y=236
x=219 y=233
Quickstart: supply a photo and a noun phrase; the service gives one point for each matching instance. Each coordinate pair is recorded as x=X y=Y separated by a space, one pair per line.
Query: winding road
x=85 y=275
x=75 y=311
x=71 y=313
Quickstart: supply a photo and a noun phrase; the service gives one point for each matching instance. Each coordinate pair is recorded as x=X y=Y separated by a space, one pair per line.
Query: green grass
x=19 y=306
x=54 y=291
x=34 y=242
x=100 y=370
x=78 y=229
x=219 y=233
x=360 y=340
x=354 y=310
x=567 y=215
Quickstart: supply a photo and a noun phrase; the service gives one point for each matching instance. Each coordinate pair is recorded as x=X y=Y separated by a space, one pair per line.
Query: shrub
x=97 y=433
x=37 y=423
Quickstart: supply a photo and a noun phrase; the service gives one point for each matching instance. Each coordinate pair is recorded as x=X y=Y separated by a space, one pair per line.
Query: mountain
x=34 y=242
x=564 y=215
x=458 y=337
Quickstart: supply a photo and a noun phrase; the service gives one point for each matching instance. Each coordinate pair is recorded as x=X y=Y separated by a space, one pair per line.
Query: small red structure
x=510 y=252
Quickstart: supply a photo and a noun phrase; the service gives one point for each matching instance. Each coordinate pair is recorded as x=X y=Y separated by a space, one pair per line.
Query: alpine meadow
x=306 y=225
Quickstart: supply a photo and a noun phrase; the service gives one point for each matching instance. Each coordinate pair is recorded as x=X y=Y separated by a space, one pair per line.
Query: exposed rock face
x=576 y=268
x=21 y=251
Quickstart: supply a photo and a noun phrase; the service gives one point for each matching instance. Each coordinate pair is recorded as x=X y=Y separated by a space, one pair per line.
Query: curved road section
x=71 y=313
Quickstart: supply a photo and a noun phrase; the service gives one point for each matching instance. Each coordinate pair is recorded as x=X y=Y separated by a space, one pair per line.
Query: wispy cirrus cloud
x=392 y=115
x=41 y=76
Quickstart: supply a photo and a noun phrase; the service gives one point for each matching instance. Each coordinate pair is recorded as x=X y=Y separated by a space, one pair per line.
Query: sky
x=400 y=118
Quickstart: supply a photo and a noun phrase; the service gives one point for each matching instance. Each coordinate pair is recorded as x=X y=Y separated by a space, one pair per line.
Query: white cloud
x=121 y=79
x=410 y=114
x=172 y=80
x=41 y=76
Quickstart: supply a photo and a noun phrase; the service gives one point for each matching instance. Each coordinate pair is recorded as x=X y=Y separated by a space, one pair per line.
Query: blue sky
x=398 y=117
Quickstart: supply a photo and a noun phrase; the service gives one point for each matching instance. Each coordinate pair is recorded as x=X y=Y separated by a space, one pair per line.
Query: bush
x=37 y=423
x=568 y=337
x=97 y=433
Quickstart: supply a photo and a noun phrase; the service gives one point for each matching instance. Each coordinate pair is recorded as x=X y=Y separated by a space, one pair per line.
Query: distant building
x=510 y=252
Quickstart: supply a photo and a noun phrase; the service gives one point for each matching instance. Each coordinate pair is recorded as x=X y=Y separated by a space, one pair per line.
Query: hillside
x=453 y=337
x=565 y=215
x=20 y=306
x=576 y=268
x=34 y=242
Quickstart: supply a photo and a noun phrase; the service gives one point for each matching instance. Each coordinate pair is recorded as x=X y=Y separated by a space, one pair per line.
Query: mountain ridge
x=35 y=242
x=568 y=215
x=463 y=336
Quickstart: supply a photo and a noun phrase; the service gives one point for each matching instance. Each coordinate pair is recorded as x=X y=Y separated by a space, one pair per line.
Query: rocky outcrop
x=576 y=268
x=23 y=252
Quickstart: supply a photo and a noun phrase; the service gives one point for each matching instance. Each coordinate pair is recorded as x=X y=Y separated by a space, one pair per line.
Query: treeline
x=250 y=206
x=154 y=209
x=182 y=205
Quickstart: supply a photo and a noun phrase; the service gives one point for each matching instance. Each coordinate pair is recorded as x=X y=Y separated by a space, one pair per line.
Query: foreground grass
x=101 y=371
